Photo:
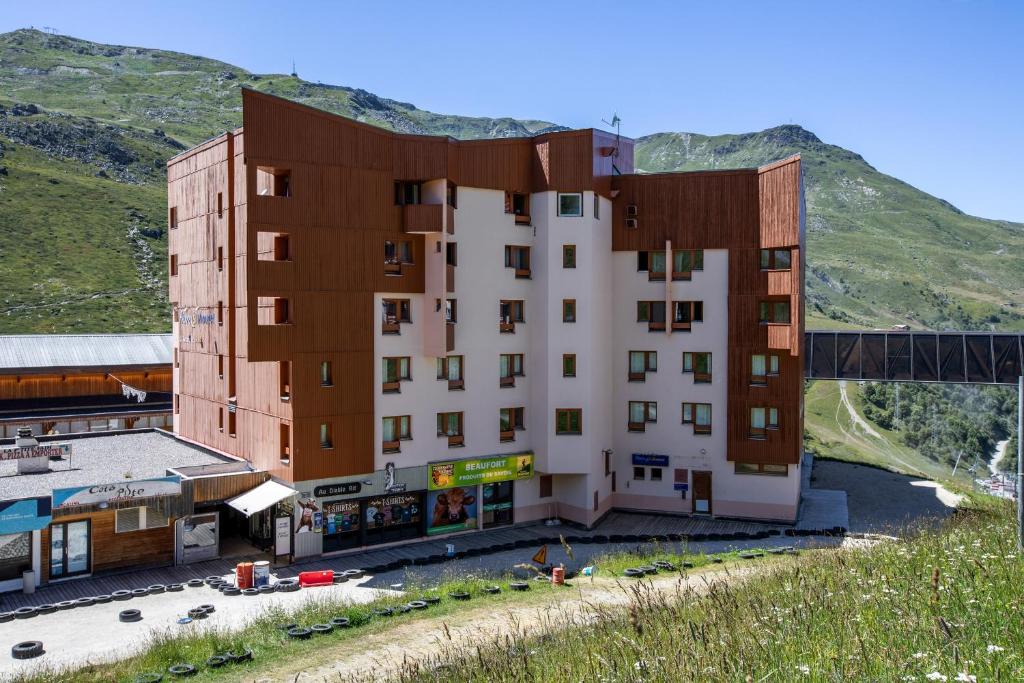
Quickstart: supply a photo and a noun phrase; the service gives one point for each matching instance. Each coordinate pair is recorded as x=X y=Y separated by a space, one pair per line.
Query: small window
x=568 y=255
x=396 y=429
x=510 y=366
x=326 y=440
x=281 y=248
x=597 y=206
x=685 y=313
x=177 y=403
x=394 y=312
x=607 y=462
x=172 y=217
x=685 y=261
x=546 y=488
x=451 y=194
x=699 y=364
x=326 y=379
x=232 y=423
x=640 y=413
x=650 y=312
x=518 y=204
x=450 y=369
x=762 y=367
x=655 y=474
x=640 y=363
x=273 y=182
x=220 y=258
x=698 y=415
x=452 y=253
x=639 y=473
x=568 y=421
x=773 y=312
x=286 y=441
x=138 y=519
x=285 y=377
x=176 y=358
x=762 y=420
x=408 y=192
x=568 y=310
x=761 y=468
x=450 y=425
x=451 y=310
x=397 y=252
x=568 y=365
x=220 y=365
x=776 y=259
x=509 y=313
x=220 y=205
x=518 y=258
x=220 y=419
x=395 y=370
x=510 y=420
x=570 y=204
x=174 y=265
x=220 y=312
x=282 y=311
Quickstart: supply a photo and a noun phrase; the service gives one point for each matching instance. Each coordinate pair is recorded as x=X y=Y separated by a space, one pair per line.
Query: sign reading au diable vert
x=445 y=475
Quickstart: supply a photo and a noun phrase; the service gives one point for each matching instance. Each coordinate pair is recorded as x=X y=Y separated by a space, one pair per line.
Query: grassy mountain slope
x=879 y=251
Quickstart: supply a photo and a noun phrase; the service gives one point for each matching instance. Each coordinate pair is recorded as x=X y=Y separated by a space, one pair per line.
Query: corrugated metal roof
x=35 y=352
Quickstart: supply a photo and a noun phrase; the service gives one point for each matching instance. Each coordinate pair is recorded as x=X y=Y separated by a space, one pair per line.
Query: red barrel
x=557 y=576
x=243 y=574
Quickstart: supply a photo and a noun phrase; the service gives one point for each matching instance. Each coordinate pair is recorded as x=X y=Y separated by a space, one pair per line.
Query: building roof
x=34 y=353
x=106 y=459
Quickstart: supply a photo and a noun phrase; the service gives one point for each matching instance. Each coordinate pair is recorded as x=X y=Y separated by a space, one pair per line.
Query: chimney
x=30 y=465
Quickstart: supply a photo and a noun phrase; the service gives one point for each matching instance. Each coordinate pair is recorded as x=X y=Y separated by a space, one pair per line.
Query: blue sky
x=930 y=92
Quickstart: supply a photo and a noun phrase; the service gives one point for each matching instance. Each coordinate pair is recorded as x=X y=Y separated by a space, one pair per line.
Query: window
x=509 y=313
x=451 y=254
x=174 y=265
x=220 y=419
x=640 y=413
x=397 y=252
x=232 y=422
x=607 y=461
x=773 y=312
x=285 y=376
x=568 y=255
x=220 y=258
x=761 y=367
x=451 y=310
x=568 y=310
x=698 y=415
x=394 y=312
x=597 y=206
x=138 y=519
x=450 y=369
x=545 y=486
x=510 y=366
x=220 y=205
x=220 y=312
x=568 y=365
x=518 y=204
x=396 y=429
x=450 y=425
x=510 y=420
x=286 y=442
x=451 y=194
x=281 y=248
x=685 y=313
x=325 y=435
x=698 y=363
x=570 y=204
x=395 y=370
x=172 y=217
x=652 y=313
x=761 y=420
x=273 y=182
x=685 y=261
x=639 y=473
x=282 y=312
x=518 y=258
x=326 y=379
x=640 y=363
x=655 y=264
x=655 y=474
x=407 y=192
x=776 y=259
x=761 y=468
x=568 y=421
x=177 y=403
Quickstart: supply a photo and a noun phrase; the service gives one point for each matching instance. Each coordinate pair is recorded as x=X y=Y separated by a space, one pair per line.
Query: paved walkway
x=644 y=525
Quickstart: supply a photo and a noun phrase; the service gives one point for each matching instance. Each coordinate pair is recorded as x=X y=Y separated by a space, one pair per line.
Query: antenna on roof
x=616 y=123
x=294 y=72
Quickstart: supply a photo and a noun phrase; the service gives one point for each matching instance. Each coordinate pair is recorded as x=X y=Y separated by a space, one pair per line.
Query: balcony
x=456 y=384
x=522 y=219
x=701 y=429
x=680 y=325
x=758 y=433
x=637 y=376
x=682 y=275
x=509 y=381
x=656 y=275
x=392 y=387
x=449 y=337
x=523 y=273
x=506 y=327
x=702 y=378
x=637 y=427
x=656 y=326
x=506 y=436
x=427 y=218
x=456 y=440
x=392 y=268
x=778 y=336
x=390 y=326
x=391 y=446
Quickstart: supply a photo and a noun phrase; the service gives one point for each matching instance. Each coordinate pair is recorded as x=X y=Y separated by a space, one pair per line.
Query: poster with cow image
x=452 y=510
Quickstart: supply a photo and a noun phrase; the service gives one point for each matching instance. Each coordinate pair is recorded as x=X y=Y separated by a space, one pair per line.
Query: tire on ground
x=27 y=649
x=129 y=615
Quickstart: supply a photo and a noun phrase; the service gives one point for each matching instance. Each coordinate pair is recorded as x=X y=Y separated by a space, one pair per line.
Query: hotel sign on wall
x=55 y=450
x=445 y=475
x=116 y=492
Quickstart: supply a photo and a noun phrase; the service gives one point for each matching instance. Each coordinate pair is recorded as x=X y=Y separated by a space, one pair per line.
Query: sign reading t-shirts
x=117 y=492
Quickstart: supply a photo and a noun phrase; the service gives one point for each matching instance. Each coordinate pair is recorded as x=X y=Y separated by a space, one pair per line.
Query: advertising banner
x=392 y=510
x=27 y=514
x=119 y=491
x=341 y=516
x=44 y=450
x=444 y=475
x=452 y=510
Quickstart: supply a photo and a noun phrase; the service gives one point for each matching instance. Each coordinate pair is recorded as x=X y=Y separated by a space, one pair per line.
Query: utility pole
x=959 y=454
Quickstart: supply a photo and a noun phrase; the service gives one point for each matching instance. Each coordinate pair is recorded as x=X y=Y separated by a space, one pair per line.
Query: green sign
x=445 y=475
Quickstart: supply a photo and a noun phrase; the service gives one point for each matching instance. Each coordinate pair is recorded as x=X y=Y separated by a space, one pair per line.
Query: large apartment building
x=422 y=335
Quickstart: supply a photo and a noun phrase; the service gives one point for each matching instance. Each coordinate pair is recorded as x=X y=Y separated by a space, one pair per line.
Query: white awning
x=261 y=497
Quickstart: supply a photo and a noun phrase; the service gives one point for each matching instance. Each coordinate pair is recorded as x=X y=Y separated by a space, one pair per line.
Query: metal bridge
x=898 y=356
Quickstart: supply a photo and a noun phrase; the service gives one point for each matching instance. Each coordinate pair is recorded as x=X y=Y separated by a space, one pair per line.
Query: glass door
x=70 y=545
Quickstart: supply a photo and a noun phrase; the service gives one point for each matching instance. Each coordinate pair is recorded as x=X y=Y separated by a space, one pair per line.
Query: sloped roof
x=38 y=352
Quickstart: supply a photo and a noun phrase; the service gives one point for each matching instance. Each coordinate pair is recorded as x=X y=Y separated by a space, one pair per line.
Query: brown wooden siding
x=82 y=384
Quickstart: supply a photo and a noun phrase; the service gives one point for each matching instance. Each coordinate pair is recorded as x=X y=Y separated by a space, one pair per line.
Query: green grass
x=945 y=602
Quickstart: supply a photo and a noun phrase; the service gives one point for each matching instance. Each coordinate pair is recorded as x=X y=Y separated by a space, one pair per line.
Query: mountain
x=86 y=128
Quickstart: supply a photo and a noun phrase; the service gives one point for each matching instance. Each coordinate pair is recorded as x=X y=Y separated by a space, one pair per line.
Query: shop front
x=476 y=493
x=21 y=522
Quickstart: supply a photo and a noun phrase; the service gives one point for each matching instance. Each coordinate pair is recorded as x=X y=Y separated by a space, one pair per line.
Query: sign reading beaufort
x=119 y=491
x=445 y=475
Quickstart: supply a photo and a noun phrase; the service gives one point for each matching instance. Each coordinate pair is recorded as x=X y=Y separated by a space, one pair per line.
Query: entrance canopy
x=261 y=497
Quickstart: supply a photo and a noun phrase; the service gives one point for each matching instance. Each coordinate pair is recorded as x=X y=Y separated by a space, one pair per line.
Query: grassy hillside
x=879 y=251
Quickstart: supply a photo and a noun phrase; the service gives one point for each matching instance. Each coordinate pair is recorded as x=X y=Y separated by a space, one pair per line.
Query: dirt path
x=378 y=656
x=857 y=422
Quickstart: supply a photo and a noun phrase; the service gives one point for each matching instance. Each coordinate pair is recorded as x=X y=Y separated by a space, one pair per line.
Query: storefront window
x=341 y=525
x=497 y=505
x=15 y=555
x=393 y=517
x=452 y=510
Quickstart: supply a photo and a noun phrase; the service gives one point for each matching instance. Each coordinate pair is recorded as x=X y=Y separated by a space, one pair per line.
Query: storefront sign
x=43 y=450
x=282 y=535
x=386 y=511
x=196 y=317
x=342 y=516
x=345 y=489
x=452 y=510
x=650 y=460
x=445 y=475
x=681 y=487
x=27 y=514
x=119 y=491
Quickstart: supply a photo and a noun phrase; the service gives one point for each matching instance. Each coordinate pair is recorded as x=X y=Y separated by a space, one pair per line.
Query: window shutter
x=128 y=519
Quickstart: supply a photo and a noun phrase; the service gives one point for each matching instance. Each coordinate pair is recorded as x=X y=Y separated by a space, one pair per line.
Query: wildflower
x=804 y=669
x=995 y=648
x=936 y=676
x=919 y=655
x=966 y=678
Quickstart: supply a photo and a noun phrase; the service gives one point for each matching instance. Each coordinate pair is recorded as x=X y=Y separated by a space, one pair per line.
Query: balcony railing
x=506 y=327
x=637 y=376
x=449 y=336
x=509 y=381
x=506 y=436
x=701 y=429
x=454 y=384
x=423 y=218
x=656 y=326
x=392 y=268
x=656 y=275
x=522 y=219
x=702 y=377
x=391 y=446
x=637 y=427
x=390 y=326
x=682 y=325
x=523 y=273
x=456 y=440
x=392 y=387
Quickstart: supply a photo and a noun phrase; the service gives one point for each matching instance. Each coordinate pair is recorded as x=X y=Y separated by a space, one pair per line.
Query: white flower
x=640 y=665
x=936 y=676
x=995 y=648
x=966 y=678
x=919 y=655
x=804 y=669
